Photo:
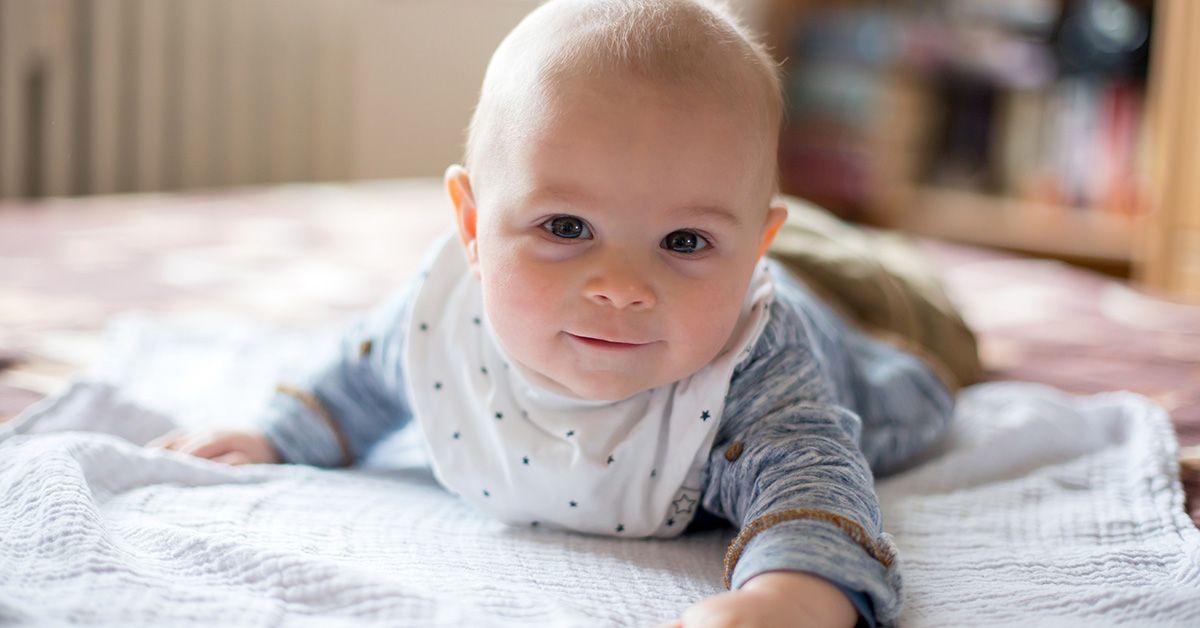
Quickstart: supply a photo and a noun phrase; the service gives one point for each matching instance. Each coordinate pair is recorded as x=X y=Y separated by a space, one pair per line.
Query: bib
x=531 y=456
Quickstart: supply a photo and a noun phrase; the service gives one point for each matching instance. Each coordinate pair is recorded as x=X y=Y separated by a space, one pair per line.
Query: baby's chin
x=595 y=389
x=610 y=385
x=595 y=380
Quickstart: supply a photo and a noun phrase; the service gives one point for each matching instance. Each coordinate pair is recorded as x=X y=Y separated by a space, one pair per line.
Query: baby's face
x=615 y=239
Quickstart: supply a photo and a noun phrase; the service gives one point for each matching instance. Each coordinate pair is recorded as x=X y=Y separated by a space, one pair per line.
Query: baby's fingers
x=209 y=445
x=233 y=457
x=228 y=446
x=166 y=441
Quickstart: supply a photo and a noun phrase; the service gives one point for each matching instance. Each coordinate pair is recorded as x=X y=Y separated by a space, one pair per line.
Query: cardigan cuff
x=818 y=546
x=302 y=431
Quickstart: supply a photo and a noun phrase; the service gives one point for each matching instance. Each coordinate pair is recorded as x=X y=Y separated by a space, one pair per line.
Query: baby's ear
x=458 y=186
x=776 y=215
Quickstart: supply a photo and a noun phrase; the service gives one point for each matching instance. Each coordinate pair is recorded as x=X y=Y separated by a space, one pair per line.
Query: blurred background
x=1061 y=128
x=975 y=108
x=101 y=96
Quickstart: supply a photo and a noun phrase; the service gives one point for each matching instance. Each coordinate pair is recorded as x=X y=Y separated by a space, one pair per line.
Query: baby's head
x=618 y=188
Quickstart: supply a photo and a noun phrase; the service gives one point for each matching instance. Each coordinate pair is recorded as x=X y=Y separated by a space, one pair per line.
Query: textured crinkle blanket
x=1041 y=509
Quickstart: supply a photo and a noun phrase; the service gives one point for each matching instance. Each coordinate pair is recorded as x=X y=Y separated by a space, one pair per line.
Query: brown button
x=734 y=451
x=364 y=348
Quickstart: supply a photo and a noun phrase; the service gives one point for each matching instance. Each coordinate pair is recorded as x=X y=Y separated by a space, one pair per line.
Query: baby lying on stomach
x=604 y=347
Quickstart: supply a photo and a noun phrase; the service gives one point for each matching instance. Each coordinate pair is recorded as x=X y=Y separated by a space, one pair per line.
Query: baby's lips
x=608 y=339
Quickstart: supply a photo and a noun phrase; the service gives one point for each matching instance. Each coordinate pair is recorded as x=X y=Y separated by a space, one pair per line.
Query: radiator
x=102 y=96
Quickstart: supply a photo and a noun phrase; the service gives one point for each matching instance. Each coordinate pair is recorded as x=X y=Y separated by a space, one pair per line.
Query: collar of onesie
x=521 y=448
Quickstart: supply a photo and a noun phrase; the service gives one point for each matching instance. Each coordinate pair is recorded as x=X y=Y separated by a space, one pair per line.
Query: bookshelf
x=1123 y=196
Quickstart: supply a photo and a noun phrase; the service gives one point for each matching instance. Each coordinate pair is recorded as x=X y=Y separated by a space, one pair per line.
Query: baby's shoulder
x=798 y=318
x=800 y=353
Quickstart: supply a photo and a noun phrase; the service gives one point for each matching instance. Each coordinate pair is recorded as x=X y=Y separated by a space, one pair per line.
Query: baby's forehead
x=688 y=45
x=668 y=42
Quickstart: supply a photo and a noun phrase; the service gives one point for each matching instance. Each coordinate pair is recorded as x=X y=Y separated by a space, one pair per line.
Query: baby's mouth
x=601 y=343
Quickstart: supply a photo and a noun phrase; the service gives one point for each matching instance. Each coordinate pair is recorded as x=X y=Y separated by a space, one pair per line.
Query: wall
x=101 y=96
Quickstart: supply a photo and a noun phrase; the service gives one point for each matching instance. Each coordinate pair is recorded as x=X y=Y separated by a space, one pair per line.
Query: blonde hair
x=697 y=45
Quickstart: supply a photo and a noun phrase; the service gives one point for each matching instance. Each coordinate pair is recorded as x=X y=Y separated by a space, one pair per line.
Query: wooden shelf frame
x=1169 y=255
x=1085 y=235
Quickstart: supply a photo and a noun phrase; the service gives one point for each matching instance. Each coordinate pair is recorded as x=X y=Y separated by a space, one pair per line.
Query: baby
x=605 y=348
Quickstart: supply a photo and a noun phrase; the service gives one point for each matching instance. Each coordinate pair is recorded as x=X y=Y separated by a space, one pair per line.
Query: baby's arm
x=352 y=396
x=789 y=473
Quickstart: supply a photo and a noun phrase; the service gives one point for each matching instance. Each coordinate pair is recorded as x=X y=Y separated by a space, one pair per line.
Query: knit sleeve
x=788 y=472
x=351 y=396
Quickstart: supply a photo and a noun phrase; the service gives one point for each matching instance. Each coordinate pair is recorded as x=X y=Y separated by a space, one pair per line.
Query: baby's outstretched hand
x=228 y=446
x=774 y=599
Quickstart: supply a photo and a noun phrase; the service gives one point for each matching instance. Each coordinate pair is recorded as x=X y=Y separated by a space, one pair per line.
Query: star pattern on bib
x=525 y=460
x=704 y=416
x=499 y=416
x=611 y=460
x=424 y=327
x=683 y=505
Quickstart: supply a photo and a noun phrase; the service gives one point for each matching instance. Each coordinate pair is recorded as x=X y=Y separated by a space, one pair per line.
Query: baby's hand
x=228 y=446
x=775 y=599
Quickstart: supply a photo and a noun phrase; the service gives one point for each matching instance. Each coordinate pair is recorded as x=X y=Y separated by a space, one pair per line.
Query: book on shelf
x=1019 y=103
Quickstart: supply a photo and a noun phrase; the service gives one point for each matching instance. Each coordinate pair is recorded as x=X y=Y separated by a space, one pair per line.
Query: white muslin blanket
x=1042 y=509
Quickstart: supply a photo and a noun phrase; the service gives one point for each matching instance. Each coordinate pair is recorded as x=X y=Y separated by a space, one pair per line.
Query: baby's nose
x=621 y=288
x=621 y=299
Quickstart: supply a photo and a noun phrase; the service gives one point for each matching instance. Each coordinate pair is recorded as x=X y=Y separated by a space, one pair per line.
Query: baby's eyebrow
x=566 y=192
x=558 y=192
x=714 y=211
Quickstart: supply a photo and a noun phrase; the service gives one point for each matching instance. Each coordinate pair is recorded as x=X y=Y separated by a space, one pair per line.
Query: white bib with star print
x=503 y=441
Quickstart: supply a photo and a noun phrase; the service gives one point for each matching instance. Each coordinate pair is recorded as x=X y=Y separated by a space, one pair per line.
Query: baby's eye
x=568 y=227
x=684 y=242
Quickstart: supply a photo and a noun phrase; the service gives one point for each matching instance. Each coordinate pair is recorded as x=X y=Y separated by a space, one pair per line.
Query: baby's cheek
x=706 y=322
x=520 y=291
x=520 y=309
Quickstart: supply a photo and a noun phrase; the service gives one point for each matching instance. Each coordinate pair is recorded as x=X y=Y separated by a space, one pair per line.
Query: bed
x=100 y=298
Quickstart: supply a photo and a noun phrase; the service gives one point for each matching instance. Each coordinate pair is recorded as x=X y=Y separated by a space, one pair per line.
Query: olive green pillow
x=883 y=284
